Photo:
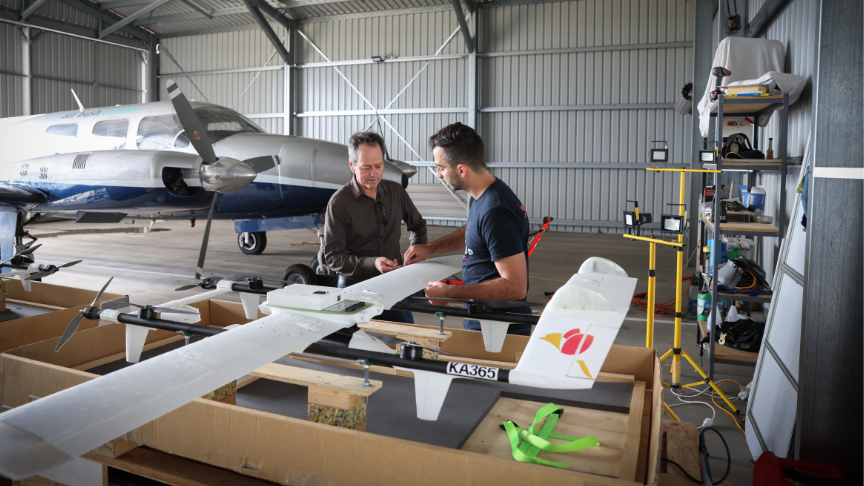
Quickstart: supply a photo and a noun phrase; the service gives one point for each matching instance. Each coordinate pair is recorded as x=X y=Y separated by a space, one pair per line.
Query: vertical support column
x=652 y=282
x=289 y=122
x=716 y=250
x=153 y=65
x=702 y=57
x=28 y=70
x=472 y=73
x=829 y=418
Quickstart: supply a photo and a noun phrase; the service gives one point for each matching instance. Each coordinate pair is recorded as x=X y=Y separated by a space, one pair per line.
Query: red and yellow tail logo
x=572 y=342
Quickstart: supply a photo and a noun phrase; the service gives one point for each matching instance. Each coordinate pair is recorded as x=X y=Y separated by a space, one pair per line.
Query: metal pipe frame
x=130 y=18
x=94 y=11
x=489 y=109
x=57 y=27
x=765 y=17
x=268 y=31
x=32 y=8
x=574 y=50
x=359 y=62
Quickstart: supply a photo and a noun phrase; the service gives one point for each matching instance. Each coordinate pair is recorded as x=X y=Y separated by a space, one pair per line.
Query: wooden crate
x=293 y=451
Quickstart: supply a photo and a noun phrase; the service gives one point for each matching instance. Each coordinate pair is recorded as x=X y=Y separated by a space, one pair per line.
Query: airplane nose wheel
x=252 y=243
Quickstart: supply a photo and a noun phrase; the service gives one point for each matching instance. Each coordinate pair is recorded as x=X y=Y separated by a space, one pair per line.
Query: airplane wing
x=18 y=195
x=577 y=328
x=55 y=429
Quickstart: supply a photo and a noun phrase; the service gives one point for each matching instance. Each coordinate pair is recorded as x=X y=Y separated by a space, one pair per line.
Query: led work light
x=659 y=155
x=673 y=223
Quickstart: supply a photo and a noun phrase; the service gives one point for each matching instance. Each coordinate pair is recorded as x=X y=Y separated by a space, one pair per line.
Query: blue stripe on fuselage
x=255 y=200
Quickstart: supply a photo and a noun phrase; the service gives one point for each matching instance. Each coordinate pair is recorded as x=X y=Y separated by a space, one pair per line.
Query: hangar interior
x=572 y=99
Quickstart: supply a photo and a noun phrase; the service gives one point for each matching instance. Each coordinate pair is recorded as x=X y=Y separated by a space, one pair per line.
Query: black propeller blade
x=196 y=132
x=51 y=270
x=73 y=326
x=203 y=253
x=492 y=304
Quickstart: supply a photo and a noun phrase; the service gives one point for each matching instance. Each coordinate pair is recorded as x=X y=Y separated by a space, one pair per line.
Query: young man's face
x=450 y=175
x=369 y=169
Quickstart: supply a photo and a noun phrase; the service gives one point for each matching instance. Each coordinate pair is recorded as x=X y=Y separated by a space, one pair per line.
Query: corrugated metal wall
x=12 y=71
x=797 y=26
x=101 y=74
x=602 y=135
x=251 y=93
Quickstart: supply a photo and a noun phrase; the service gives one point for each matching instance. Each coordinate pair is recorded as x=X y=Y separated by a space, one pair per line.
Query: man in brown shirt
x=362 y=225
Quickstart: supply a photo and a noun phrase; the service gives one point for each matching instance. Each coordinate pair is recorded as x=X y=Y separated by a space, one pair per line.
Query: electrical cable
x=682 y=469
x=728 y=455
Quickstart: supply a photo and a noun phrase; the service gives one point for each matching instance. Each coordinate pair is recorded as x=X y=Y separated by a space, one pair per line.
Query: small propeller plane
x=566 y=351
x=153 y=161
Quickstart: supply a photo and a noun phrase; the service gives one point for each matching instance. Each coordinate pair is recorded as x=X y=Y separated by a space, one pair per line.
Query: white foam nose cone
x=430 y=390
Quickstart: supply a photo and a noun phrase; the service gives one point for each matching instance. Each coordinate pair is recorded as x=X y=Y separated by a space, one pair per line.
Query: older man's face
x=369 y=169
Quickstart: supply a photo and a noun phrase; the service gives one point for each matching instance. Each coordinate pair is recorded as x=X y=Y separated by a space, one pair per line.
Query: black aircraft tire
x=300 y=274
x=257 y=243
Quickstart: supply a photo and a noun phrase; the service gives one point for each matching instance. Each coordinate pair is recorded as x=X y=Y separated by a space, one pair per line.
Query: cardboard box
x=753 y=200
x=293 y=451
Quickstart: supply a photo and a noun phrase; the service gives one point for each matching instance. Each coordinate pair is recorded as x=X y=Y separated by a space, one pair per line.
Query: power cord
x=682 y=470
x=703 y=453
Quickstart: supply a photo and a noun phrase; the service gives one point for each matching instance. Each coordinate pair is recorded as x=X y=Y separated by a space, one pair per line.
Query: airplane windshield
x=165 y=132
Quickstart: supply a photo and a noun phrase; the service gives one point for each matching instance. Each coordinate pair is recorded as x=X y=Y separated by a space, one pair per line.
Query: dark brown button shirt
x=355 y=233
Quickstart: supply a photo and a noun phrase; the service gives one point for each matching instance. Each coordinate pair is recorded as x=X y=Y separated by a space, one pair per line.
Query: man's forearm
x=452 y=242
x=494 y=289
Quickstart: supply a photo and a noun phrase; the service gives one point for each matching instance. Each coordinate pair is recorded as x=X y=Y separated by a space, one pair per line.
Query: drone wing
x=577 y=328
x=55 y=429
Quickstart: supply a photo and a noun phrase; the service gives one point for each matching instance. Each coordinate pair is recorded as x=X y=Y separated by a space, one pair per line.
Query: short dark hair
x=364 y=138
x=461 y=145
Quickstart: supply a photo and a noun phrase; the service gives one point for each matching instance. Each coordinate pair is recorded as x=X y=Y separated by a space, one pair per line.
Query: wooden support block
x=354 y=418
x=630 y=457
x=317 y=379
x=682 y=446
x=115 y=448
x=225 y=394
x=334 y=399
x=405 y=332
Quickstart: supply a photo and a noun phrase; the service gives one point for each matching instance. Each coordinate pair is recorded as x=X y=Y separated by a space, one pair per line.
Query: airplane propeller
x=492 y=304
x=73 y=325
x=219 y=176
x=51 y=270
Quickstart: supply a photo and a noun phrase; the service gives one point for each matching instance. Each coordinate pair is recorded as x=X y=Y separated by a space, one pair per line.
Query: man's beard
x=455 y=184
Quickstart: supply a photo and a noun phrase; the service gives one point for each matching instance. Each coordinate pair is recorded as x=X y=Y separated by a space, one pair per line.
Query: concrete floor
x=148 y=268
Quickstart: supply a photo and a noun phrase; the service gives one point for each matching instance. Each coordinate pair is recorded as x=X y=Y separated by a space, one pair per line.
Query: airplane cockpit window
x=160 y=133
x=111 y=128
x=221 y=123
x=63 y=130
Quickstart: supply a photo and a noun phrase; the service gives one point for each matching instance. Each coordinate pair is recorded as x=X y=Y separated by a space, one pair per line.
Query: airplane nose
x=226 y=175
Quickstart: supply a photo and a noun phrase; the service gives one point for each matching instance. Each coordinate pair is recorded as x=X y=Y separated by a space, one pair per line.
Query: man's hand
x=437 y=289
x=416 y=253
x=385 y=265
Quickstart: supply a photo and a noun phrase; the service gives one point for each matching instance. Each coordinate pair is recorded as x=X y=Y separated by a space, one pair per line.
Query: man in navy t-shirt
x=495 y=238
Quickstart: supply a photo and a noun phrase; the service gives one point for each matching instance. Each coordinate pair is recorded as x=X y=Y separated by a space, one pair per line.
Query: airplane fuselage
x=137 y=160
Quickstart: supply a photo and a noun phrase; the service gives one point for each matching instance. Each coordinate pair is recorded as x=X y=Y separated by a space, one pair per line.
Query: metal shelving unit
x=752 y=107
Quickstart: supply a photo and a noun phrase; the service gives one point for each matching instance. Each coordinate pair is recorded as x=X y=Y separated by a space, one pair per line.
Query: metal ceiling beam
x=64 y=28
x=130 y=18
x=179 y=17
x=94 y=11
x=122 y=3
x=765 y=17
x=215 y=30
x=268 y=31
x=194 y=6
x=273 y=13
x=32 y=8
x=463 y=25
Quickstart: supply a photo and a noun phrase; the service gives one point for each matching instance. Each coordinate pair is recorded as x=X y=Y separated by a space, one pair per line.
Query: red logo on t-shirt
x=522 y=207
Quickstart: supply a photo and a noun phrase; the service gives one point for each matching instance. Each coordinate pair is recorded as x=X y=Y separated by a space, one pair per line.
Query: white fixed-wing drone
x=566 y=351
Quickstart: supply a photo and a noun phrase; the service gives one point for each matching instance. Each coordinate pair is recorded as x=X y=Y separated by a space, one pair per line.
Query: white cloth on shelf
x=747 y=59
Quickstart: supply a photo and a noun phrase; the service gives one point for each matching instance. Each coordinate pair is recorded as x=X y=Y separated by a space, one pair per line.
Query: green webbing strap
x=532 y=444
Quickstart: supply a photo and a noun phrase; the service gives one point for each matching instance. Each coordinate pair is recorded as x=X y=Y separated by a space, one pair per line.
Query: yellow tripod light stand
x=676 y=352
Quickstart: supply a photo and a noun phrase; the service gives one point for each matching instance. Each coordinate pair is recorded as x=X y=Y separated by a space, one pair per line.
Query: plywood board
x=54 y=295
x=630 y=454
x=607 y=427
x=402 y=330
x=317 y=379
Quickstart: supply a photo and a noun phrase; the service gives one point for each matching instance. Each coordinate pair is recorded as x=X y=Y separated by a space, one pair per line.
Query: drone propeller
x=243 y=278
x=219 y=176
x=26 y=251
x=51 y=270
x=492 y=304
x=73 y=325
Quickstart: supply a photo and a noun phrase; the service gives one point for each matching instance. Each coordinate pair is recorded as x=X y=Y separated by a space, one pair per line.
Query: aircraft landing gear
x=252 y=243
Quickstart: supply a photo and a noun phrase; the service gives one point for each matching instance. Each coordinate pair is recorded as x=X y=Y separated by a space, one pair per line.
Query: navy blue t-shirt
x=497 y=228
